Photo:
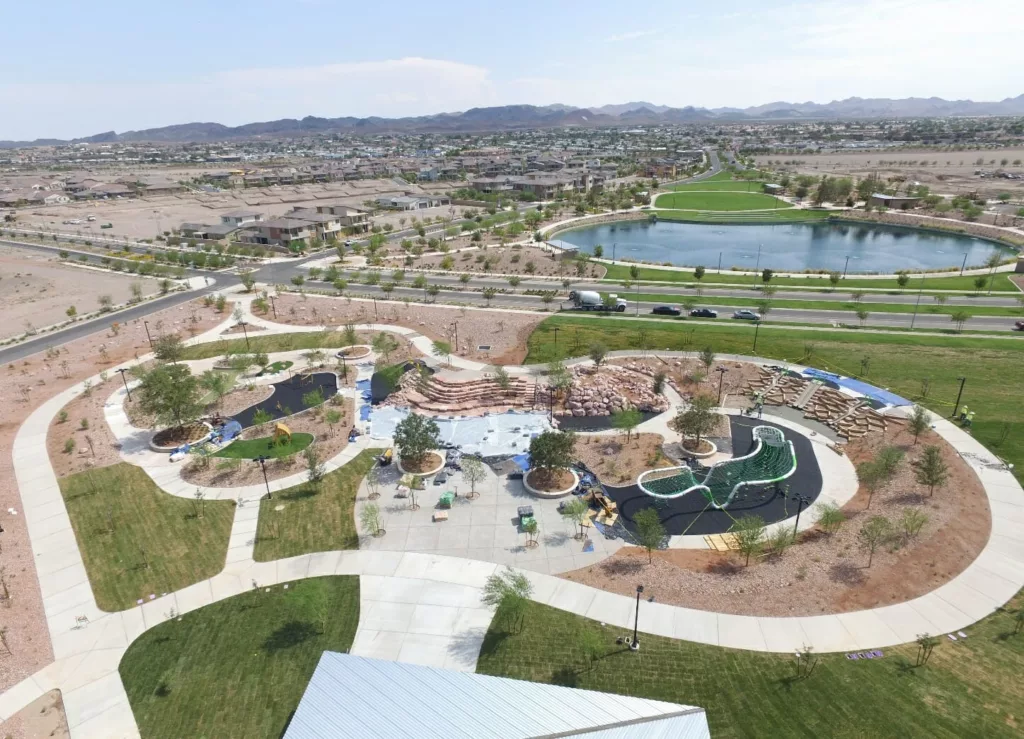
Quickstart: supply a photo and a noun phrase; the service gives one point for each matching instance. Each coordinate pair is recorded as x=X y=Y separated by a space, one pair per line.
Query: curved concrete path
x=425 y=608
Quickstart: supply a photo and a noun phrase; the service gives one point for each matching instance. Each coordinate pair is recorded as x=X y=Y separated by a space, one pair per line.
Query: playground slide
x=772 y=460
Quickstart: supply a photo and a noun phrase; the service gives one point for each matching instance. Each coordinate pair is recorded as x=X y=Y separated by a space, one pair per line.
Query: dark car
x=704 y=313
x=666 y=310
x=1018 y=326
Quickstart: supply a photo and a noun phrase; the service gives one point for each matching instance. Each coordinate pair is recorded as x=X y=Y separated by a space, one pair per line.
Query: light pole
x=555 y=329
x=456 y=336
x=635 y=645
x=262 y=461
x=614 y=247
x=757 y=265
x=719 y=262
x=721 y=376
x=245 y=334
x=146 y=324
x=801 y=501
x=122 y=370
x=273 y=306
x=956 y=406
x=964 y=265
x=847 y=266
x=918 y=303
x=374 y=310
x=757 y=327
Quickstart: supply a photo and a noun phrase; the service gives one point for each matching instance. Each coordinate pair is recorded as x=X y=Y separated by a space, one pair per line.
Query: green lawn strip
x=721 y=176
x=721 y=185
x=313 y=520
x=719 y=201
x=618 y=272
x=265 y=446
x=927 y=305
x=237 y=668
x=158 y=544
x=899 y=361
x=741 y=217
x=210 y=397
x=277 y=367
x=968 y=688
x=268 y=344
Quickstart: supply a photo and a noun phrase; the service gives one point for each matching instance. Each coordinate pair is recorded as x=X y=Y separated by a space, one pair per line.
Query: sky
x=82 y=68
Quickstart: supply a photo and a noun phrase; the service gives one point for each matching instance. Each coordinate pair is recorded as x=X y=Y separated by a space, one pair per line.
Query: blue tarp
x=230 y=431
x=523 y=460
x=869 y=391
x=364 y=412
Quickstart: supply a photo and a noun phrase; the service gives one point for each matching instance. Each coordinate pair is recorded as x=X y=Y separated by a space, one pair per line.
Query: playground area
x=288 y=396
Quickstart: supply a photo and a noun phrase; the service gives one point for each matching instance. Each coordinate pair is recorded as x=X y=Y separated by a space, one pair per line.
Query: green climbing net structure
x=772 y=460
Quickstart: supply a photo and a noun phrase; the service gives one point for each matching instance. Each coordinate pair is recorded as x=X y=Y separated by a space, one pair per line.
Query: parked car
x=666 y=310
x=704 y=313
x=1018 y=326
x=746 y=315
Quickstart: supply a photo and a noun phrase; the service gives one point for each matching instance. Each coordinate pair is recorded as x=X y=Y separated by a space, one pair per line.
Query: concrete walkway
x=425 y=608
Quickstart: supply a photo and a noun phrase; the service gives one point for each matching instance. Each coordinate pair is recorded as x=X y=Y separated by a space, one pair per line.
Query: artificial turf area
x=238 y=668
x=137 y=540
x=967 y=689
x=906 y=363
x=718 y=200
x=265 y=446
x=313 y=519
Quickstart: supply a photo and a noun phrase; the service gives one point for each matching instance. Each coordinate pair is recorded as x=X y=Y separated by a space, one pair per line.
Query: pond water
x=789 y=247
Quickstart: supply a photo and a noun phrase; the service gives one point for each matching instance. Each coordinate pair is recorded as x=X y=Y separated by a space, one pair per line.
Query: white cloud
x=630 y=35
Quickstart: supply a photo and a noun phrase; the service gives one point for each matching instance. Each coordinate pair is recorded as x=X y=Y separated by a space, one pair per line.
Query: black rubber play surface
x=287 y=396
x=691 y=514
x=594 y=423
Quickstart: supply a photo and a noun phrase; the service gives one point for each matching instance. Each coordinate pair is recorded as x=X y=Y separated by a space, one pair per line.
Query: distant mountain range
x=513 y=117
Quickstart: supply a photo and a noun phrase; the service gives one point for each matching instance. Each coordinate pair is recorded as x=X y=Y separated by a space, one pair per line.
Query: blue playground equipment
x=772 y=461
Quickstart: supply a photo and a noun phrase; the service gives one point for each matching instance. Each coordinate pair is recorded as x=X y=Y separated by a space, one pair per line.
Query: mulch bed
x=178 y=435
x=428 y=462
x=549 y=481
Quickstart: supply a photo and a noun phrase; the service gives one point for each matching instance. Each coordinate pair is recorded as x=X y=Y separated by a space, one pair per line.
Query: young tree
x=659 y=382
x=315 y=467
x=931 y=470
x=171 y=393
x=553 y=450
x=960 y=317
x=168 y=348
x=216 y=384
x=749 y=533
x=833 y=278
x=697 y=420
x=862 y=316
x=415 y=436
x=649 y=530
x=443 y=349
x=874 y=534
x=473 y=472
x=369 y=517
x=383 y=343
x=509 y=592
x=831 y=518
x=707 y=358
x=597 y=353
x=871 y=477
x=925 y=644
x=332 y=417
x=501 y=378
x=574 y=510
x=698 y=273
x=626 y=420
x=530 y=527
x=919 y=422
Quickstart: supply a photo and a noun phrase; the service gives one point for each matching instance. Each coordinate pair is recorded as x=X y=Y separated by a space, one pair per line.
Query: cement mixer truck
x=590 y=300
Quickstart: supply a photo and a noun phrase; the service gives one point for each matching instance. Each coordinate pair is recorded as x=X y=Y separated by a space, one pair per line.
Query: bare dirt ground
x=509 y=260
x=505 y=332
x=241 y=398
x=103 y=450
x=618 y=461
x=36 y=290
x=945 y=172
x=43 y=718
x=44 y=377
x=235 y=473
x=823 y=573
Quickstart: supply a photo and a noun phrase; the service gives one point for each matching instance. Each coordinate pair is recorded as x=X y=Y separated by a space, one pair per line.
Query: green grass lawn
x=238 y=668
x=277 y=367
x=618 y=272
x=716 y=200
x=265 y=446
x=898 y=361
x=313 y=520
x=157 y=543
x=967 y=689
x=725 y=185
x=268 y=344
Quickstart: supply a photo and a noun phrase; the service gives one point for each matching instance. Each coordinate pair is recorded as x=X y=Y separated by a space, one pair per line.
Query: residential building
x=240 y=217
x=413 y=202
x=894 y=202
x=278 y=231
x=348 y=216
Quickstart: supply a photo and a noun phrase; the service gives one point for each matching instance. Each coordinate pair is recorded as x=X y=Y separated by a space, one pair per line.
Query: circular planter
x=554 y=493
x=701 y=455
x=428 y=473
x=356 y=351
x=157 y=448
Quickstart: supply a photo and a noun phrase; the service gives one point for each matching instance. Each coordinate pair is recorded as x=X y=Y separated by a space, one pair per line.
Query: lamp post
x=757 y=327
x=150 y=338
x=721 y=376
x=555 y=329
x=918 y=303
x=374 y=310
x=615 y=246
x=801 y=501
x=262 y=461
x=122 y=370
x=273 y=306
x=245 y=334
x=719 y=262
x=757 y=265
x=847 y=266
x=456 y=336
x=956 y=406
x=635 y=645
x=964 y=265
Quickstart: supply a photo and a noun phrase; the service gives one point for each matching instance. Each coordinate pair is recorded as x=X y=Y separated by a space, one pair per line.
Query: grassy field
x=238 y=668
x=718 y=200
x=967 y=689
x=902 y=362
x=268 y=344
x=265 y=446
x=742 y=217
x=618 y=272
x=313 y=520
x=137 y=540
x=725 y=185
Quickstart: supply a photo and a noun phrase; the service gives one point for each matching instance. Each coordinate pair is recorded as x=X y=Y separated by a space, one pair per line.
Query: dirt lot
x=511 y=260
x=44 y=377
x=236 y=473
x=619 y=462
x=946 y=172
x=505 y=332
x=36 y=290
x=826 y=573
x=43 y=718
